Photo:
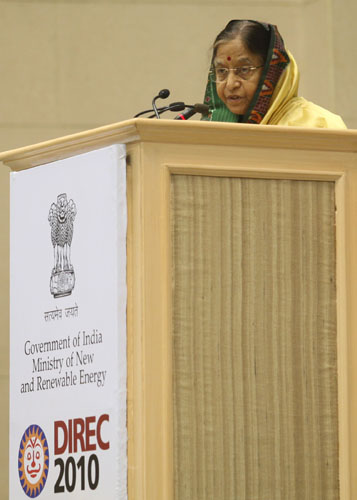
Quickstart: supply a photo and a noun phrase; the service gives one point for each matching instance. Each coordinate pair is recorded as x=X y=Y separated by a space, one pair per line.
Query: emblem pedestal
x=62 y=283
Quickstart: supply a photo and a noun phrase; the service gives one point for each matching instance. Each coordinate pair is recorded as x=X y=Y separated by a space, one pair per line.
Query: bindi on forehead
x=229 y=58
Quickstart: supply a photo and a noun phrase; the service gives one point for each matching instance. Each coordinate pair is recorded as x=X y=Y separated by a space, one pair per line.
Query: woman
x=254 y=79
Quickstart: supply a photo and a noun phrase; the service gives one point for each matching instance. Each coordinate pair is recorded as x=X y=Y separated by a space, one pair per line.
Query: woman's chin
x=238 y=108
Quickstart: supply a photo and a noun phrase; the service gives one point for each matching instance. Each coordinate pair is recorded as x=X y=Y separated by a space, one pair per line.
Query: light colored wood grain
x=342 y=338
x=323 y=166
x=255 y=339
x=176 y=132
x=149 y=340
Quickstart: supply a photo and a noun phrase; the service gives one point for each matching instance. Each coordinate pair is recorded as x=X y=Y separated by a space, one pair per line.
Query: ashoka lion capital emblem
x=61 y=217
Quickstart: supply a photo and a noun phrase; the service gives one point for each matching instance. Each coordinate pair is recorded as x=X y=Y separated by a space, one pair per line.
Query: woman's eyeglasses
x=220 y=75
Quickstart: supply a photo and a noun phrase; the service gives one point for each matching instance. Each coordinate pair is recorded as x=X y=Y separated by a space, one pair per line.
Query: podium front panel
x=254 y=339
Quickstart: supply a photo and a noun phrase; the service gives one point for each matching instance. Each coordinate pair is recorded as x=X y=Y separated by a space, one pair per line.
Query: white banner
x=68 y=435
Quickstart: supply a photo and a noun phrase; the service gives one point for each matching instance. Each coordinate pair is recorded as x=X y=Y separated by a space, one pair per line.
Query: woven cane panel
x=254 y=339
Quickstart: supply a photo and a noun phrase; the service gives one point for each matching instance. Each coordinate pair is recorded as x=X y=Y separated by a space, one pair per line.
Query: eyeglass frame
x=213 y=73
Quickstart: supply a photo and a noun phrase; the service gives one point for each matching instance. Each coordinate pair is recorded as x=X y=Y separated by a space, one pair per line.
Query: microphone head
x=201 y=108
x=164 y=93
x=177 y=106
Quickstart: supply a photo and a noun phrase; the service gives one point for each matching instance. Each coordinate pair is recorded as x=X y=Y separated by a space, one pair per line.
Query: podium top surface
x=181 y=132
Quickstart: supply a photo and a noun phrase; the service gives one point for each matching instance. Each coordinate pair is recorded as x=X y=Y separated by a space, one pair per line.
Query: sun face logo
x=33 y=461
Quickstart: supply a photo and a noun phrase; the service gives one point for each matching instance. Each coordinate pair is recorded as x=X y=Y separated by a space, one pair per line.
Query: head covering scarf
x=278 y=59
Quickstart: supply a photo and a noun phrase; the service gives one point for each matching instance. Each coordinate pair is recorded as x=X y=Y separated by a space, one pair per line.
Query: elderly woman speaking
x=254 y=79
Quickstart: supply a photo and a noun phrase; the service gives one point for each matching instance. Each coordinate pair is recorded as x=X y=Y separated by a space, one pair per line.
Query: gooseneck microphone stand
x=188 y=109
x=163 y=94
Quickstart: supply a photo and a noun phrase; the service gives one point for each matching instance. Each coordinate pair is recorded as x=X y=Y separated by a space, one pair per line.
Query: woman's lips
x=238 y=104
x=234 y=98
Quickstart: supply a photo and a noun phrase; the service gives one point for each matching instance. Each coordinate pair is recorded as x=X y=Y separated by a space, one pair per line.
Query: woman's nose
x=232 y=80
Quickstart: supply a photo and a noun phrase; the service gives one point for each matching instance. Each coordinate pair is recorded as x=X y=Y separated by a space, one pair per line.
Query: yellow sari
x=287 y=108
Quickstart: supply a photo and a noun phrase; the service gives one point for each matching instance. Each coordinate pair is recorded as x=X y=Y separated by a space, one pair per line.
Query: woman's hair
x=255 y=36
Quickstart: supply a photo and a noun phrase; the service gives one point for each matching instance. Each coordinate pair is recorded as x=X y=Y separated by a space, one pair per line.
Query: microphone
x=197 y=108
x=163 y=94
x=174 y=106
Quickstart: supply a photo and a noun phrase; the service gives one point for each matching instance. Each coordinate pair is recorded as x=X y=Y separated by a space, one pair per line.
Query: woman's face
x=235 y=92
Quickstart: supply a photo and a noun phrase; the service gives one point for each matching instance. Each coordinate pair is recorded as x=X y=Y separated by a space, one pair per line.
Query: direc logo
x=33 y=461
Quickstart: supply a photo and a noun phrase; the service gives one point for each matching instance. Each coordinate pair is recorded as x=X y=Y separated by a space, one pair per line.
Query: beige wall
x=73 y=65
x=344 y=15
x=70 y=65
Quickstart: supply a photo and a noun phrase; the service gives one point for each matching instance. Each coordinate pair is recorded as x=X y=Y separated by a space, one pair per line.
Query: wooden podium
x=241 y=321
